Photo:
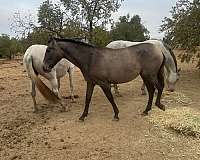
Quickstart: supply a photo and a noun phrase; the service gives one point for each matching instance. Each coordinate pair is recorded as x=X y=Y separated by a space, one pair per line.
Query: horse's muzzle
x=46 y=68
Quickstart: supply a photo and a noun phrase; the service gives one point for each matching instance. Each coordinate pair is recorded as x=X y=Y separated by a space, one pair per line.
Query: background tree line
x=76 y=18
x=92 y=18
x=182 y=29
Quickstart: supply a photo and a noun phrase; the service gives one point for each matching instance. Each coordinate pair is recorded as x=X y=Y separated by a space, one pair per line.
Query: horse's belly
x=122 y=77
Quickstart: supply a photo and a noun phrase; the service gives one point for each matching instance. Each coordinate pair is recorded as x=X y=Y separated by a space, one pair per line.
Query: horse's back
x=125 y=64
x=37 y=52
x=119 y=44
x=62 y=67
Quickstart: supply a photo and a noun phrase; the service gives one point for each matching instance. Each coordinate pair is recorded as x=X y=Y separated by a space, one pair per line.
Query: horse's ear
x=52 y=40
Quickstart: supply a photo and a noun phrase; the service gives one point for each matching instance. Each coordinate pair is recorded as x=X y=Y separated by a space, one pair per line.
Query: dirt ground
x=54 y=135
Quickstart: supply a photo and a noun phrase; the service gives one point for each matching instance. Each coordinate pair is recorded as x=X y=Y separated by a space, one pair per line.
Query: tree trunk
x=90 y=31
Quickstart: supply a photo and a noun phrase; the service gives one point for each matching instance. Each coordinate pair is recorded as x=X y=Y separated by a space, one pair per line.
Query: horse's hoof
x=81 y=119
x=63 y=110
x=144 y=113
x=161 y=106
x=118 y=95
x=73 y=101
x=144 y=93
x=35 y=111
x=76 y=96
x=115 y=119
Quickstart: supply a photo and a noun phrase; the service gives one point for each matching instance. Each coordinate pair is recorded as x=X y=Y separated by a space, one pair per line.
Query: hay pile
x=182 y=120
x=176 y=97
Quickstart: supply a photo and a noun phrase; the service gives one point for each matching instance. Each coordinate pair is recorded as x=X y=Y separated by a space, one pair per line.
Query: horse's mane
x=73 y=41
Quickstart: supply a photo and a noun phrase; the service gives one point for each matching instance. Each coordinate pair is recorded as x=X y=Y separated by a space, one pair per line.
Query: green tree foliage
x=37 y=36
x=130 y=29
x=22 y=25
x=182 y=30
x=101 y=38
x=52 y=17
x=73 y=29
x=91 y=13
x=9 y=47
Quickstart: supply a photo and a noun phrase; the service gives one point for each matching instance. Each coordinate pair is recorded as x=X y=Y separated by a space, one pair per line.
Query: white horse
x=171 y=71
x=33 y=63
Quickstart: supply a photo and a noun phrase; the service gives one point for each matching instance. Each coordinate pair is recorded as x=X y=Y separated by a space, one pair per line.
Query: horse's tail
x=161 y=69
x=44 y=90
x=160 y=72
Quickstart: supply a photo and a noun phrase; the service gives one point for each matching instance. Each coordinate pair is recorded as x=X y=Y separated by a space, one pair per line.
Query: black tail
x=160 y=74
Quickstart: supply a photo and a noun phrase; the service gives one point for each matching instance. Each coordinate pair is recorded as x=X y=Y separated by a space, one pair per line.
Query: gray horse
x=33 y=63
x=105 y=66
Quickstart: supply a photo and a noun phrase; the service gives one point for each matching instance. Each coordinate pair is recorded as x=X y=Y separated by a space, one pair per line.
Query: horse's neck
x=77 y=54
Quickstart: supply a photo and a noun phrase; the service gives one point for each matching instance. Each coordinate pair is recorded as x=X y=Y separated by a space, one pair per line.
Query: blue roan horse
x=171 y=73
x=105 y=66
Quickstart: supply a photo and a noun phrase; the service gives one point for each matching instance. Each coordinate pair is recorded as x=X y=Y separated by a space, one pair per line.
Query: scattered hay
x=176 y=97
x=182 y=120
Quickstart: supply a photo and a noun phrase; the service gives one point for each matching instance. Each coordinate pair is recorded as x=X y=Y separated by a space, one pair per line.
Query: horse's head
x=53 y=55
x=172 y=80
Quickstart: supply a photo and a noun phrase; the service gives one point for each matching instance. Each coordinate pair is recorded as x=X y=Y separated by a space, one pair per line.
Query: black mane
x=73 y=41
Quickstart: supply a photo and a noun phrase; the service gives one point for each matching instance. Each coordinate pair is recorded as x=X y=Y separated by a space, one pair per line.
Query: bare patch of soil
x=54 y=135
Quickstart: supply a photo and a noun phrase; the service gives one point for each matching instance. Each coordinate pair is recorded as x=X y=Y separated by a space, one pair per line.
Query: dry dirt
x=54 y=135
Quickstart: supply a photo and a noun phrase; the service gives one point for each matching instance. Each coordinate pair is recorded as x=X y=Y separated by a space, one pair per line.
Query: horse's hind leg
x=107 y=91
x=54 y=84
x=151 y=89
x=58 y=81
x=89 y=91
x=71 y=83
x=33 y=94
x=143 y=89
x=116 y=89
x=160 y=87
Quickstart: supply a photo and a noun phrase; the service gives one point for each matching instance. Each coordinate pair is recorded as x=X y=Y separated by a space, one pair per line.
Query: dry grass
x=182 y=120
x=177 y=98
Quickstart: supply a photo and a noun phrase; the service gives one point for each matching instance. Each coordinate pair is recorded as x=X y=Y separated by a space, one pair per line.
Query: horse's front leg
x=89 y=91
x=55 y=85
x=107 y=91
x=70 y=72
